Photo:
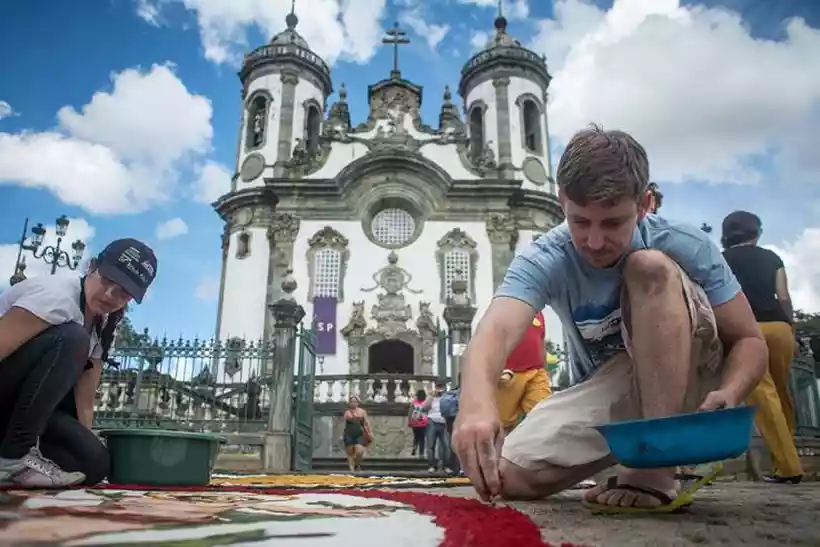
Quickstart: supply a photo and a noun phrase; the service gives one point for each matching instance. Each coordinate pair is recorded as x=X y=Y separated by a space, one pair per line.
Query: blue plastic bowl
x=687 y=439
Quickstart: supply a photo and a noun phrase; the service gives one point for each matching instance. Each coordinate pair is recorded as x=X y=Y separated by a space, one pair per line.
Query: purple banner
x=324 y=321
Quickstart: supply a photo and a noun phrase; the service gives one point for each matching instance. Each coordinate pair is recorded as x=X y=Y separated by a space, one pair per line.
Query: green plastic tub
x=159 y=457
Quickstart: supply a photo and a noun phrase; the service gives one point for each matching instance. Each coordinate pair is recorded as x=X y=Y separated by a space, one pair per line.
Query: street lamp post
x=53 y=255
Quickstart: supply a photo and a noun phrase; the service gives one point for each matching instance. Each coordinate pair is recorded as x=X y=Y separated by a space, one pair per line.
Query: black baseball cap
x=129 y=263
x=741 y=225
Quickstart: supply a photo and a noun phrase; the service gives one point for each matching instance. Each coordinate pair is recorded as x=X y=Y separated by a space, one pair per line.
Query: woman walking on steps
x=762 y=277
x=357 y=434
x=55 y=331
x=417 y=421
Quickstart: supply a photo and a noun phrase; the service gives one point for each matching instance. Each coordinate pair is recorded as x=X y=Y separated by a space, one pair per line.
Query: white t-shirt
x=55 y=299
x=435 y=411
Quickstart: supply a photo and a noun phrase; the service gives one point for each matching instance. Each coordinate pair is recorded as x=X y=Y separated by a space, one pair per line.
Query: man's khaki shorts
x=559 y=430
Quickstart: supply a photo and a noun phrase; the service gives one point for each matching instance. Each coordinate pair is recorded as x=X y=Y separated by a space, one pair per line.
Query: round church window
x=393 y=227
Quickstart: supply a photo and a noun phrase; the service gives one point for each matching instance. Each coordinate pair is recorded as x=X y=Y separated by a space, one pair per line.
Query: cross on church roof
x=396 y=37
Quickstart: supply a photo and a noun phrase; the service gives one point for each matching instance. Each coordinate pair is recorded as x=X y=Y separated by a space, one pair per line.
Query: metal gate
x=806 y=397
x=302 y=450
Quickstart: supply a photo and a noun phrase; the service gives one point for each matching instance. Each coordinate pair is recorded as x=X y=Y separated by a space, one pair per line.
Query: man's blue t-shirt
x=550 y=272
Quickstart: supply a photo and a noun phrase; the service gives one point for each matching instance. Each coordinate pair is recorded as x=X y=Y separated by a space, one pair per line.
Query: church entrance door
x=390 y=357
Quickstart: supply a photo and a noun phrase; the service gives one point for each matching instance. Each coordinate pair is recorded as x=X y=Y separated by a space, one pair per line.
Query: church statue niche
x=243 y=245
x=313 y=128
x=257 y=121
x=476 y=121
x=392 y=316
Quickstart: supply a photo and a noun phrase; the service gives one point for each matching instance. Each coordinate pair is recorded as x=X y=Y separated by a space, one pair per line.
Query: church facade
x=376 y=219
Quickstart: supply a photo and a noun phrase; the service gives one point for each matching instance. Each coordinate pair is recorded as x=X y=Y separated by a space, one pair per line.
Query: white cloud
x=207 y=289
x=433 y=34
x=479 y=40
x=6 y=111
x=213 y=180
x=121 y=152
x=803 y=269
x=148 y=12
x=171 y=229
x=347 y=30
x=691 y=83
x=78 y=228
x=512 y=9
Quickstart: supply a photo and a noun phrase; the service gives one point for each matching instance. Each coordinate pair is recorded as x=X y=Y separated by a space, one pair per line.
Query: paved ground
x=725 y=514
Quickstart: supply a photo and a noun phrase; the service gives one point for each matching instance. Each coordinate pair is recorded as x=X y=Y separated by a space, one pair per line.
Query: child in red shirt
x=524 y=382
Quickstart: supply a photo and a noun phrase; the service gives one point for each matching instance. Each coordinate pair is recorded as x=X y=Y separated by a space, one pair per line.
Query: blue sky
x=126 y=118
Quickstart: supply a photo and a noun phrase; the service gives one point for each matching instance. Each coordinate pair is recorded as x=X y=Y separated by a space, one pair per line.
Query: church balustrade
x=372 y=389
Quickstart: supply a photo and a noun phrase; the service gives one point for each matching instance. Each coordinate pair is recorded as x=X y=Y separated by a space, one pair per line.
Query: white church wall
x=485 y=92
x=517 y=88
x=446 y=156
x=367 y=258
x=341 y=155
x=271 y=83
x=243 y=304
x=555 y=331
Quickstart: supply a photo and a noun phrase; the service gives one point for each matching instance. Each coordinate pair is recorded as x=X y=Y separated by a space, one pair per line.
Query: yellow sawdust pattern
x=330 y=481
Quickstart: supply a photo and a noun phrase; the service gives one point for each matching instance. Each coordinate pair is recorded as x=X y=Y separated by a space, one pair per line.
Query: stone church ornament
x=252 y=167
x=328 y=237
x=357 y=322
x=535 y=171
x=392 y=278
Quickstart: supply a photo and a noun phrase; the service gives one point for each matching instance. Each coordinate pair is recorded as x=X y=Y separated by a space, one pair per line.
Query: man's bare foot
x=643 y=482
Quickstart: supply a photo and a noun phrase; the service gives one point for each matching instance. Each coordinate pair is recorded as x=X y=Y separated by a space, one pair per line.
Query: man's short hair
x=600 y=166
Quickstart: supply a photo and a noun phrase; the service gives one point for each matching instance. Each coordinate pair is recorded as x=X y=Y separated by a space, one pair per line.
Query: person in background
x=437 y=432
x=417 y=421
x=357 y=433
x=55 y=332
x=762 y=277
x=449 y=409
x=655 y=196
x=524 y=382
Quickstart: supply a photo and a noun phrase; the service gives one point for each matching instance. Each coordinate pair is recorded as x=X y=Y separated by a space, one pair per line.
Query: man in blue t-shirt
x=656 y=325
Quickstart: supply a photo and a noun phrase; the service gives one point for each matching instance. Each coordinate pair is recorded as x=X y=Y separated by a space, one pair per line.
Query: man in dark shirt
x=762 y=277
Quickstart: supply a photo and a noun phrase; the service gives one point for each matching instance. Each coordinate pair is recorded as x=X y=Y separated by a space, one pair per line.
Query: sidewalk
x=727 y=514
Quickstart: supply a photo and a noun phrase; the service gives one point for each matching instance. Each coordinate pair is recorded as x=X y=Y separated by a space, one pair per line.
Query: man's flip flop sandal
x=668 y=505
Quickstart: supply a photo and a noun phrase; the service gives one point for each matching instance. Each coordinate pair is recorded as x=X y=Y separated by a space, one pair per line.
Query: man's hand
x=477 y=440
x=721 y=398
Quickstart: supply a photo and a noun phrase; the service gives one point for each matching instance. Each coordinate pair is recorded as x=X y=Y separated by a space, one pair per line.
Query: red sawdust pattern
x=466 y=522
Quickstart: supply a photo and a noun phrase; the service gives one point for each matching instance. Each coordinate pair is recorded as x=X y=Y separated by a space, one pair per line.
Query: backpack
x=418 y=416
x=449 y=404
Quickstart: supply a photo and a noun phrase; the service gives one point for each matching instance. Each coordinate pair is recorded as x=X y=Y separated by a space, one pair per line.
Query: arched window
x=457 y=257
x=256 y=121
x=313 y=128
x=531 y=129
x=327 y=272
x=476 y=132
x=327 y=257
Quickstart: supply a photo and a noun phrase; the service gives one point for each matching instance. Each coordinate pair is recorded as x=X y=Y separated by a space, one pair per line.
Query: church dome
x=289 y=36
x=288 y=48
x=501 y=37
x=503 y=56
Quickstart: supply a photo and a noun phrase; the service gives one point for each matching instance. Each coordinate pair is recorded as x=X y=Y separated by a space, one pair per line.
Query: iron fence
x=197 y=385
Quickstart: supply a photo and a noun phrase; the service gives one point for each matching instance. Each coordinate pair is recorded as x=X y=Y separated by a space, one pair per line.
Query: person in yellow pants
x=524 y=382
x=762 y=277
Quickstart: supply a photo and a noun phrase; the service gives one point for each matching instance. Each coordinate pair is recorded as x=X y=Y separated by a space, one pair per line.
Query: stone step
x=373 y=465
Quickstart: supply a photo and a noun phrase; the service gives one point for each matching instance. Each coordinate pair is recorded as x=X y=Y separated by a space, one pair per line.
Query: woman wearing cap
x=762 y=277
x=55 y=331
